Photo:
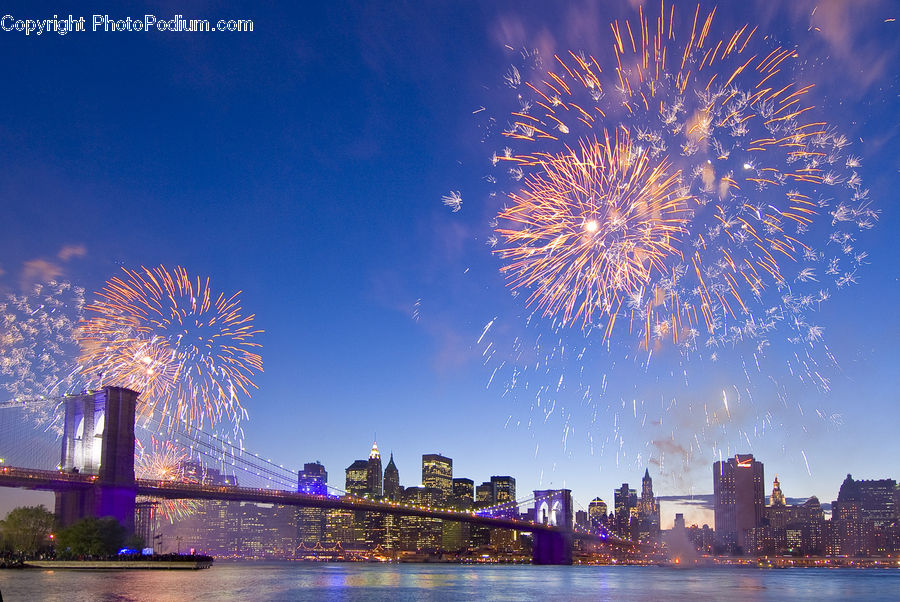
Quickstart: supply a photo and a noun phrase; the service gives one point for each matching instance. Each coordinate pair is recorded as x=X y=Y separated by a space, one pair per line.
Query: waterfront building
x=313 y=479
x=788 y=529
x=863 y=518
x=703 y=538
x=739 y=499
x=339 y=529
x=437 y=473
x=418 y=533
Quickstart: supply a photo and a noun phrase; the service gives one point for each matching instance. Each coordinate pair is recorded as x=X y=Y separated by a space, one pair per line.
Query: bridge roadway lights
x=98 y=439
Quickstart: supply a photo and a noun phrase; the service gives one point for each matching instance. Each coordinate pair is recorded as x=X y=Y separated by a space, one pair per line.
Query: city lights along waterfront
x=581 y=299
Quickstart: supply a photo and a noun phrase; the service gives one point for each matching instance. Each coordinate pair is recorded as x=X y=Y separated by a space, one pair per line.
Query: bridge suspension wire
x=229 y=457
x=30 y=433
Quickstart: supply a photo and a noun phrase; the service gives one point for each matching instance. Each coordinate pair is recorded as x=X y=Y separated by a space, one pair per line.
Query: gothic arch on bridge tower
x=549 y=512
x=554 y=507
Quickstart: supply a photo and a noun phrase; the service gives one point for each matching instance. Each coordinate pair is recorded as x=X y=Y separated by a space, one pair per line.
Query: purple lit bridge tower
x=98 y=440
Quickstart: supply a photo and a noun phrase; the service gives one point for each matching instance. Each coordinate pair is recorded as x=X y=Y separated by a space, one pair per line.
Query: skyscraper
x=625 y=501
x=503 y=489
x=437 y=472
x=484 y=494
x=373 y=473
x=392 y=480
x=597 y=510
x=312 y=479
x=739 y=498
x=357 y=478
x=648 y=510
x=464 y=492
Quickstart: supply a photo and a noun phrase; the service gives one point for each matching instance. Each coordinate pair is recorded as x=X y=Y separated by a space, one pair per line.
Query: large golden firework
x=729 y=171
x=188 y=351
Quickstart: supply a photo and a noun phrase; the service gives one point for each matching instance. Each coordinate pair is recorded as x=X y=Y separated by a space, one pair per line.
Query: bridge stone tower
x=553 y=507
x=98 y=439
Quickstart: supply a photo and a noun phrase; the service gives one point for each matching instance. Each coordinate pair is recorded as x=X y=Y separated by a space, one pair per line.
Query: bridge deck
x=60 y=481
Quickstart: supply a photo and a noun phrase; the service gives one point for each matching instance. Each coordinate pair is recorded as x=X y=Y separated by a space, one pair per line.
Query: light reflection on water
x=401 y=582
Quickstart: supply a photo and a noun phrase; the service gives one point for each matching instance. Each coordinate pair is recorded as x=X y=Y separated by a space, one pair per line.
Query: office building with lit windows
x=437 y=473
x=740 y=499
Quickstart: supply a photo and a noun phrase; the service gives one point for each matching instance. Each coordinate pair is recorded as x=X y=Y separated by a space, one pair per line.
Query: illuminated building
x=581 y=520
x=863 y=518
x=464 y=491
x=311 y=523
x=625 y=500
x=392 y=481
x=437 y=473
x=503 y=491
x=357 y=478
x=339 y=528
x=648 y=511
x=374 y=474
x=739 y=499
x=777 y=497
x=373 y=523
x=597 y=510
x=313 y=479
x=787 y=529
x=394 y=492
x=357 y=483
x=419 y=533
x=484 y=494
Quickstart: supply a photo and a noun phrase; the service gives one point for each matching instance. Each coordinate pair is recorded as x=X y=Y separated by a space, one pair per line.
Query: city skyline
x=304 y=164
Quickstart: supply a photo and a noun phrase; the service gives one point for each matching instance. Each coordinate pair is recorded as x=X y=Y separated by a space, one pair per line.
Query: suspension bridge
x=82 y=448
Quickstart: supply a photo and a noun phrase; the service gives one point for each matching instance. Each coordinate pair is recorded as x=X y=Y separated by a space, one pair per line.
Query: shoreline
x=119 y=565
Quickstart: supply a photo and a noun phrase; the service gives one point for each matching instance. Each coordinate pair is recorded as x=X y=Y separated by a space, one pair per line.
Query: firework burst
x=188 y=351
x=702 y=215
x=592 y=227
x=165 y=462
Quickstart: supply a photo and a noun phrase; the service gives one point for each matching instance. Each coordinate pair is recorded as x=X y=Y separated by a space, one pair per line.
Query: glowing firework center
x=592 y=228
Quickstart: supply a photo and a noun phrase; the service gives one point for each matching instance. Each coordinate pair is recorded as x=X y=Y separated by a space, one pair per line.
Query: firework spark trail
x=37 y=344
x=188 y=351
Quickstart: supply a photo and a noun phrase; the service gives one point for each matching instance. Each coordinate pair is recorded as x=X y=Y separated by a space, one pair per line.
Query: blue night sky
x=304 y=164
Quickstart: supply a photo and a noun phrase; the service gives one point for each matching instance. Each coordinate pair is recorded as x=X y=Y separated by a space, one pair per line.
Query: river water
x=401 y=582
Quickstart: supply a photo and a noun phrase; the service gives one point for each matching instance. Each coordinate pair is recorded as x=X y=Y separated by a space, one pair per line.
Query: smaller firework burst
x=165 y=461
x=188 y=351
